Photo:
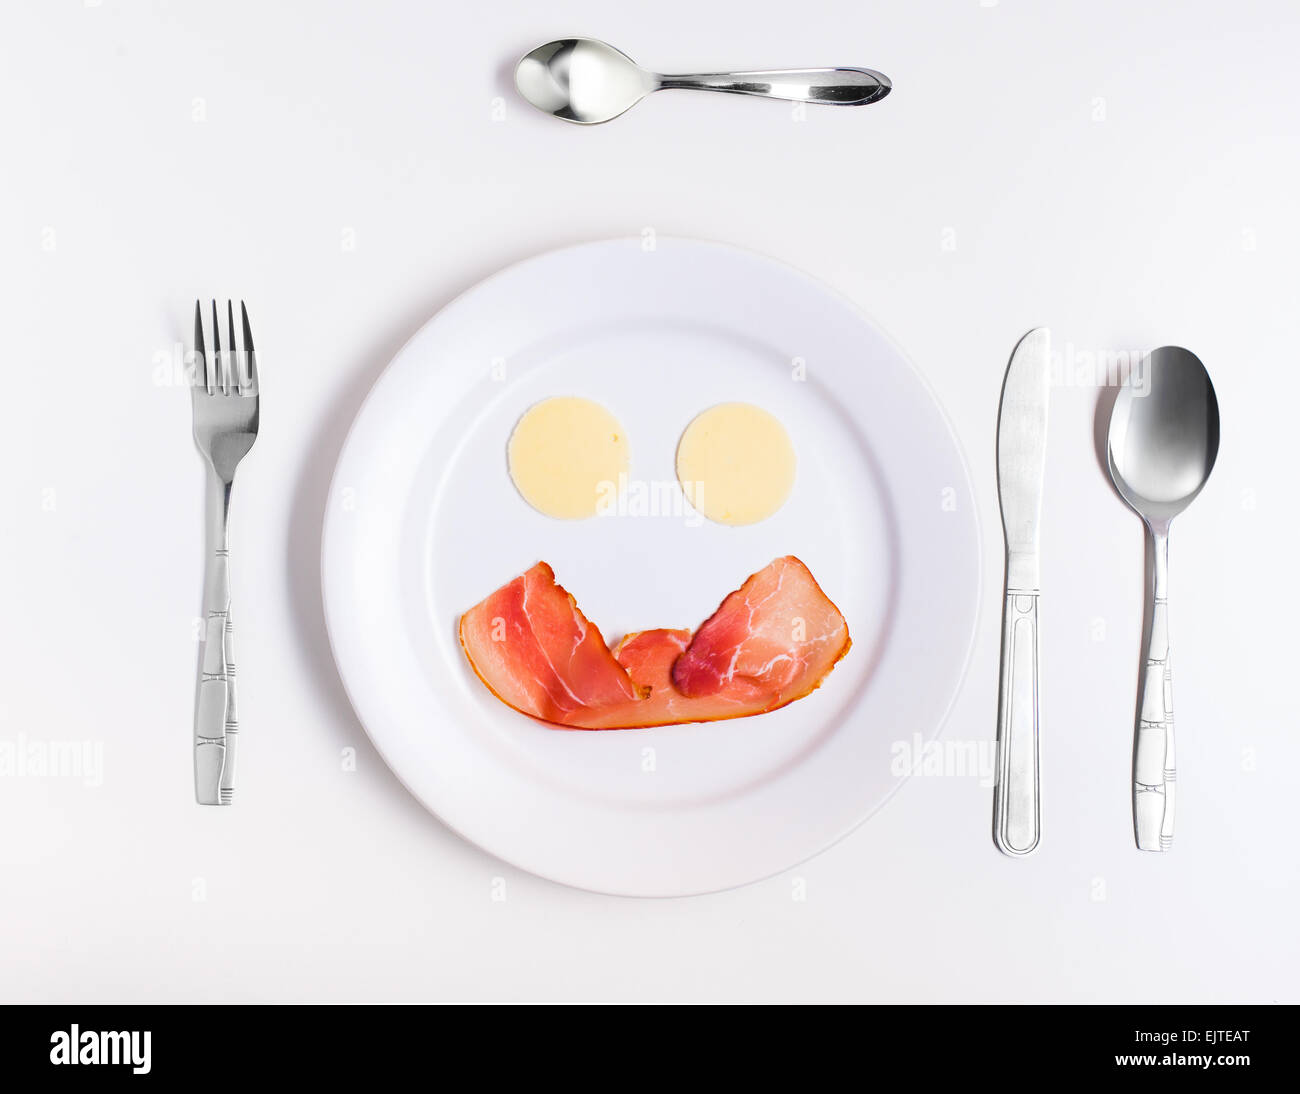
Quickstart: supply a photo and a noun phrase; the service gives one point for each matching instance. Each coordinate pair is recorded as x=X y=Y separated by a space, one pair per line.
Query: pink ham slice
x=771 y=642
x=774 y=636
x=531 y=645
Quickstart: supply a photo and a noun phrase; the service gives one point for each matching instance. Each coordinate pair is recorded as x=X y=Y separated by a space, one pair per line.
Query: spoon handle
x=836 y=86
x=1153 y=747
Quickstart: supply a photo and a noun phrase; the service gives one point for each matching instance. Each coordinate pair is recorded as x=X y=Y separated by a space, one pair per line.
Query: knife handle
x=1015 y=794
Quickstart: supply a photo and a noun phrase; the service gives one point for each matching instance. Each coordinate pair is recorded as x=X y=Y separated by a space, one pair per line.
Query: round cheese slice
x=567 y=456
x=736 y=464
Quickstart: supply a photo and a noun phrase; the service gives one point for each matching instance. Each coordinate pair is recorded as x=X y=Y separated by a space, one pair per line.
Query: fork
x=225 y=397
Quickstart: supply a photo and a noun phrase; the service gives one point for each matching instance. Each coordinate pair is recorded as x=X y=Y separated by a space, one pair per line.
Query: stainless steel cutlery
x=1161 y=447
x=585 y=81
x=225 y=398
x=1022 y=452
x=1162 y=442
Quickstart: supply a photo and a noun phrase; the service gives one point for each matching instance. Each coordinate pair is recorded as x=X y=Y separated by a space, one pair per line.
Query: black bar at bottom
x=209 y=1044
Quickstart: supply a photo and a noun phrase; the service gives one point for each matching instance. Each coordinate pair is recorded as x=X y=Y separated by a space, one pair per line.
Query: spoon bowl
x=1164 y=434
x=582 y=80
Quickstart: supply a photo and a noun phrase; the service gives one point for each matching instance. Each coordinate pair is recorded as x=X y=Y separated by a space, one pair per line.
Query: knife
x=1022 y=451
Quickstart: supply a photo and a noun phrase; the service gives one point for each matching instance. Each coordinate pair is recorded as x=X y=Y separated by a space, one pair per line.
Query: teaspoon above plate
x=586 y=81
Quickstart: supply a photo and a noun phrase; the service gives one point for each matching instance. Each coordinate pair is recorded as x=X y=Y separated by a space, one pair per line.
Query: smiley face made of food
x=771 y=641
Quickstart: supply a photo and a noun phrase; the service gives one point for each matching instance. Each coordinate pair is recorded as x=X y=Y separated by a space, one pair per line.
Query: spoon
x=585 y=81
x=1163 y=438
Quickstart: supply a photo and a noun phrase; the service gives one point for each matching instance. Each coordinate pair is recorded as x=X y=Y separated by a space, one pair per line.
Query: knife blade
x=1022 y=457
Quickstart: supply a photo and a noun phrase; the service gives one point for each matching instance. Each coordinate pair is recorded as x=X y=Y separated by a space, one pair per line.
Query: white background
x=1124 y=173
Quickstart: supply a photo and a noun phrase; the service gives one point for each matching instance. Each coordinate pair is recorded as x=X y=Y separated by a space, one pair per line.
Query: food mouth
x=772 y=641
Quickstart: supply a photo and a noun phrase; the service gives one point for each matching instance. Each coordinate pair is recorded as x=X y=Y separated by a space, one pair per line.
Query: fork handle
x=232 y=715
x=216 y=725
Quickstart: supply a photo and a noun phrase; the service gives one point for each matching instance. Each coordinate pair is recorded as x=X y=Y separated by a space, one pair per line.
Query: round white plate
x=423 y=522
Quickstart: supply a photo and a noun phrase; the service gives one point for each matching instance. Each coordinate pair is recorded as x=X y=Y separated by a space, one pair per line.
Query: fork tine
x=218 y=373
x=200 y=365
x=233 y=373
x=249 y=354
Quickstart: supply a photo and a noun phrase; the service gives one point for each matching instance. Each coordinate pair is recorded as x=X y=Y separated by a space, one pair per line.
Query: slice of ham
x=531 y=645
x=771 y=642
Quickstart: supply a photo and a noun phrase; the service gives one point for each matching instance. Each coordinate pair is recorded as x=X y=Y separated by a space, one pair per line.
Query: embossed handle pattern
x=1015 y=795
x=216 y=723
x=232 y=715
x=1153 y=747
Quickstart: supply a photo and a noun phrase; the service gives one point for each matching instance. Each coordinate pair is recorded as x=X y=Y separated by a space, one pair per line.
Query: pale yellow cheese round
x=736 y=464
x=567 y=456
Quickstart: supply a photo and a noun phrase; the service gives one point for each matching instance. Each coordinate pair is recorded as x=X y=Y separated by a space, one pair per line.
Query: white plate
x=423 y=522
